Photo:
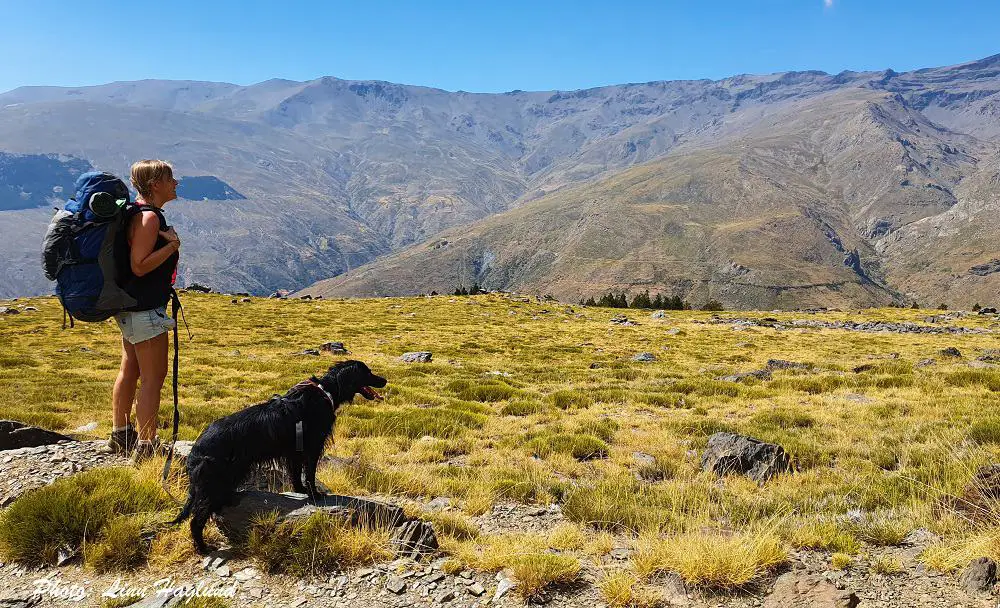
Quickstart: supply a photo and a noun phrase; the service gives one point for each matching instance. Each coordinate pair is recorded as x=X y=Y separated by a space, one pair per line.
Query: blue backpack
x=85 y=247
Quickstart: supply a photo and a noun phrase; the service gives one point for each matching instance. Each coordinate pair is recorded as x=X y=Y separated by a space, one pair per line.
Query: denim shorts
x=144 y=325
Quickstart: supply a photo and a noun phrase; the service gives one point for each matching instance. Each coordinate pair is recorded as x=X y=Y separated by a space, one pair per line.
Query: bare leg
x=124 y=392
x=152 y=357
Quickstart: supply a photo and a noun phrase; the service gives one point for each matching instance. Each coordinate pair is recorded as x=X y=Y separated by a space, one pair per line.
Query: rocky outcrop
x=980 y=575
x=729 y=453
x=416 y=357
x=236 y=519
x=15 y=435
x=793 y=590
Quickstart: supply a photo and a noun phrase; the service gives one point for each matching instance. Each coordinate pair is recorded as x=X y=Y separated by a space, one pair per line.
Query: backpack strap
x=175 y=305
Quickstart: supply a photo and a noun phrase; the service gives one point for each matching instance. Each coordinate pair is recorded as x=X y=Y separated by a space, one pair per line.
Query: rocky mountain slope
x=750 y=191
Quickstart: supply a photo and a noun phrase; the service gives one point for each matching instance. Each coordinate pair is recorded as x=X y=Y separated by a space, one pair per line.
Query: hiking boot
x=144 y=450
x=122 y=441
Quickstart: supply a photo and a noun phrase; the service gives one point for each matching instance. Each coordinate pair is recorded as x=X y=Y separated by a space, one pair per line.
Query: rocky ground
x=809 y=581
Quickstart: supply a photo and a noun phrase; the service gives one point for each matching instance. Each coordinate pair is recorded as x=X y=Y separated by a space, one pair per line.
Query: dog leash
x=175 y=306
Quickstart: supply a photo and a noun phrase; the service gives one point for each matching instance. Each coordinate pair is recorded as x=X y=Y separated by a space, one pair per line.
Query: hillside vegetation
x=540 y=402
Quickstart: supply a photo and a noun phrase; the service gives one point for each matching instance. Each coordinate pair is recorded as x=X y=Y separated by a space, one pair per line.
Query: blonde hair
x=147 y=172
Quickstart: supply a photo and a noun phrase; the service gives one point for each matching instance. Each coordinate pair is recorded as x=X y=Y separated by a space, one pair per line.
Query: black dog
x=293 y=428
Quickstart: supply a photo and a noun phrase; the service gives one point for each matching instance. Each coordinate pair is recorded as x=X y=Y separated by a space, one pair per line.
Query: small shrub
x=826 y=536
x=73 y=510
x=713 y=560
x=534 y=569
x=886 y=565
x=566 y=537
x=986 y=430
x=123 y=545
x=452 y=524
x=783 y=418
x=882 y=530
x=571 y=399
x=623 y=589
x=975 y=377
x=485 y=390
x=581 y=447
x=840 y=561
x=522 y=408
x=602 y=428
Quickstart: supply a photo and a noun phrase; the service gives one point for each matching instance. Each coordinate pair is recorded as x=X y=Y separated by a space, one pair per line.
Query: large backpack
x=85 y=249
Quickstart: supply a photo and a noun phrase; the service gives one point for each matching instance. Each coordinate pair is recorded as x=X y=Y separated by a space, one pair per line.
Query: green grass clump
x=571 y=399
x=581 y=447
x=986 y=430
x=484 y=390
x=784 y=419
x=123 y=545
x=522 y=407
x=409 y=422
x=74 y=510
x=825 y=536
x=712 y=560
x=316 y=545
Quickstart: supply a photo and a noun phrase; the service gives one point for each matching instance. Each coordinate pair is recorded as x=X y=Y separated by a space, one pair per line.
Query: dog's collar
x=329 y=397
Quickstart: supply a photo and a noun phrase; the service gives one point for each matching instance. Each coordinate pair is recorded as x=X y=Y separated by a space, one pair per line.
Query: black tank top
x=152 y=290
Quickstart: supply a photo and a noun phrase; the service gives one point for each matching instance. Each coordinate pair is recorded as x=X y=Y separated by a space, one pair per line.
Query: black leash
x=175 y=306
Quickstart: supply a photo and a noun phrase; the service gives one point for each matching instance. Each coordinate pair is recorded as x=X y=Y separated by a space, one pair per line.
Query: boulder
x=658 y=315
x=15 y=435
x=417 y=357
x=197 y=287
x=235 y=520
x=794 y=590
x=731 y=453
x=414 y=539
x=951 y=351
x=776 y=364
x=334 y=348
x=760 y=374
x=644 y=357
x=980 y=575
x=9 y=310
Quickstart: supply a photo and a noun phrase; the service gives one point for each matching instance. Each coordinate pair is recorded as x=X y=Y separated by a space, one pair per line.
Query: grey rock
x=27 y=601
x=796 y=590
x=439 y=504
x=334 y=348
x=236 y=519
x=760 y=374
x=312 y=352
x=980 y=575
x=445 y=597
x=504 y=585
x=730 y=453
x=9 y=310
x=223 y=572
x=396 y=585
x=14 y=435
x=658 y=315
x=644 y=357
x=476 y=589
x=777 y=364
x=623 y=321
x=414 y=539
x=417 y=357
x=951 y=351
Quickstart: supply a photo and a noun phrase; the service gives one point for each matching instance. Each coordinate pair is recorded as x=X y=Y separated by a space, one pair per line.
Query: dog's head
x=351 y=378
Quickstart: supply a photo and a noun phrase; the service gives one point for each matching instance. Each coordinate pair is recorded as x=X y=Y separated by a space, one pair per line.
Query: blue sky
x=479 y=45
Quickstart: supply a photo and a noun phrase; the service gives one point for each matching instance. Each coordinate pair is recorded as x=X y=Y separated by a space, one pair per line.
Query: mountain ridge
x=337 y=173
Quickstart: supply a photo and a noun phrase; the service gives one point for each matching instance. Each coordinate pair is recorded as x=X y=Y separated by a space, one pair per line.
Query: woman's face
x=166 y=189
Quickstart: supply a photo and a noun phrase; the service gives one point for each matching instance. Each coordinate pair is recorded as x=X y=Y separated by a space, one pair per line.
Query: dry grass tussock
x=535 y=407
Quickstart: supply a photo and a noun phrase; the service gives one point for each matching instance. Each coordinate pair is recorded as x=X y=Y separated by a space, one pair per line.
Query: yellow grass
x=498 y=416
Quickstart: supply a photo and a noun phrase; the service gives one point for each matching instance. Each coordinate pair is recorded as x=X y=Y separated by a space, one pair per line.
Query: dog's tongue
x=370 y=393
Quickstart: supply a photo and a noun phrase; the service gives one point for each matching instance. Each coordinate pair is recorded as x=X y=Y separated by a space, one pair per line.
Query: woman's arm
x=145 y=230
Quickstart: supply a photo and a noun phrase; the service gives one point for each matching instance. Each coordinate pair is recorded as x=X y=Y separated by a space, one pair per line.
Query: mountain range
x=776 y=191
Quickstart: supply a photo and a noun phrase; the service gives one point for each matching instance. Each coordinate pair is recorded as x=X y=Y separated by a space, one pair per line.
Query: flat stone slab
x=14 y=435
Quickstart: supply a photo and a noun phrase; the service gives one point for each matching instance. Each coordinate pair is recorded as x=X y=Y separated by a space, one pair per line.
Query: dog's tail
x=186 y=511
x=194 y=473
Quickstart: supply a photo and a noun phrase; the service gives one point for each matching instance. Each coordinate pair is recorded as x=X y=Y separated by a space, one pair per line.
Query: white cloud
x=828 y=3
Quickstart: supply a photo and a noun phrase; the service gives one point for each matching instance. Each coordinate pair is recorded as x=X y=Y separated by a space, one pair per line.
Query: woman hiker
x=153 y=248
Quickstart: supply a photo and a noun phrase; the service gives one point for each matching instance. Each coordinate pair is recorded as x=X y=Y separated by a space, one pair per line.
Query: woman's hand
x=171 y=237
